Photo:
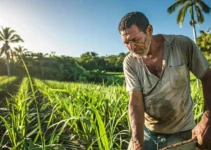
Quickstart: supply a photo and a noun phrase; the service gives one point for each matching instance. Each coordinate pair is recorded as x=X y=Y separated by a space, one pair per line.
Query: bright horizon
x=73 y=27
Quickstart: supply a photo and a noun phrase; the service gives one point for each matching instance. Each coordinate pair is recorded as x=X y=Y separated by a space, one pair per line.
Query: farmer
x=158 y=81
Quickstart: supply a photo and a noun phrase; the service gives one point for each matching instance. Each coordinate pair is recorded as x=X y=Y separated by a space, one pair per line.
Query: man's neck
x=156 y=46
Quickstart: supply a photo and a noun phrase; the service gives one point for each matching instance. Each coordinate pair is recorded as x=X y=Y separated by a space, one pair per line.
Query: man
x=158 y=81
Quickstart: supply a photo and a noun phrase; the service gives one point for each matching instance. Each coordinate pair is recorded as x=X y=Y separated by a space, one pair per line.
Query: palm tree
x=20 y=50
x=8 y=36
x=193 y=5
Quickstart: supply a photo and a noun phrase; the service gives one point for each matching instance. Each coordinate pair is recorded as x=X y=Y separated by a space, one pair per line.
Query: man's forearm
x=207 y=97
x=136 y=114
x=202 y=130
x=206 y=83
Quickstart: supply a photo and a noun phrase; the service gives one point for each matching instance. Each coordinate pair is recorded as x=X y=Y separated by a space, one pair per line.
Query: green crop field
x=44 y=114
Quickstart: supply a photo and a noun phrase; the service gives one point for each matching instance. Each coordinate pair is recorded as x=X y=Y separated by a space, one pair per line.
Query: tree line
x=89 y=66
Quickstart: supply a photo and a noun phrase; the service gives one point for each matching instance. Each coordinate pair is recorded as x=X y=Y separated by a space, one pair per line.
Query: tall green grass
x=49 y=115
x=14 y=118
x=6 y=81
x=101 y=112
x=197 y=95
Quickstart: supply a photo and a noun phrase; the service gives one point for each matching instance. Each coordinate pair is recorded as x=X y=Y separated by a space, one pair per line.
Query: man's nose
x=131 y=45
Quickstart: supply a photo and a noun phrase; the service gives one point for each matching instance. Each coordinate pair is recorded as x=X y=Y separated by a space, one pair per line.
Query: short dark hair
x=134 y=18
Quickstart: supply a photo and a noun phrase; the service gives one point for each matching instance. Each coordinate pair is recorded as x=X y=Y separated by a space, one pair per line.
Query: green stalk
x=37 y=110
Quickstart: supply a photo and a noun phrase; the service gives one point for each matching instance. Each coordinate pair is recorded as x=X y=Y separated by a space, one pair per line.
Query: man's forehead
x=129 y=31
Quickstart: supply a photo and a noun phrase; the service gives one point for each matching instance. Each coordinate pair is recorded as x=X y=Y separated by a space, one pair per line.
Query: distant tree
x=88 y=60
x=89 y=54
x=69 y=68
x=101 y=63
x=93 y=54
x=91 y=61
x=8 y=36
x=52 y=54
x=120 y=60
x=40 y=57
x=204 y=41
x=112 y=62
x=198 y=6
x=20 y=50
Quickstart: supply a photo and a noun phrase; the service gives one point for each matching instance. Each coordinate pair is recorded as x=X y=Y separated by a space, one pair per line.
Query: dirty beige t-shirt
x=167 y=100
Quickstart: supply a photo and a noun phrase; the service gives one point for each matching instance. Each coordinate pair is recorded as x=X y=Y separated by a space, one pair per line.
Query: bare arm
x=206 y=83
x=136 y=115
x=203 y=129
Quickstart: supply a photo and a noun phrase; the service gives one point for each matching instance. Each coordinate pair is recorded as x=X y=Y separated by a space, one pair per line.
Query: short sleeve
x=197 y=62
x=131 y=78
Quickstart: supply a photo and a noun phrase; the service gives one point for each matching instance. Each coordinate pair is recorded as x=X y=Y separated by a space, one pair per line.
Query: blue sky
x=73 y=27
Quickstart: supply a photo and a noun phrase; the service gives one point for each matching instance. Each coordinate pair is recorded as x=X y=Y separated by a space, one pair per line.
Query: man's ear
x=149 y=30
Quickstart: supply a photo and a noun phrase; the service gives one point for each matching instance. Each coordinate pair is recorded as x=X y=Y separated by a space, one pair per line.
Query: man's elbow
x=207 y=77
x=134 y=102
x=136 y=99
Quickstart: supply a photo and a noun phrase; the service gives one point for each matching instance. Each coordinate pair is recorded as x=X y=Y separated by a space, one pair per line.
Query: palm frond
x=20 y=49
x=16 y=39
x=191 y=13
x=13 y=37
x=205 y=8
x=16 y=49
x=1 y=38
x=2 y=35
x=6 y=32
x=173 y=7
x=11 y=33
x=199 y=15
x=202 y=32
x=182 y=13
x=20 y=39
x=2 y=32
x=2 y=51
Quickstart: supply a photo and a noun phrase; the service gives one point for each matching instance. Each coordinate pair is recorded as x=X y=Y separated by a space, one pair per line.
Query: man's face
x=136 y=41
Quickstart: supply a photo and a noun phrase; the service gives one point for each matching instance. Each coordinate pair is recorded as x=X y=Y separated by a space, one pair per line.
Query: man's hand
x=202 y=131
x=137 y=146
x=136 y=115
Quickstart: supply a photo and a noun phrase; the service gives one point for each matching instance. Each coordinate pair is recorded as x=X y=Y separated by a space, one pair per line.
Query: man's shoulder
x=182 y=38
x=127 y=59
x=169 y=38
x=130 y=59
x=174 y=35
x=173 y=39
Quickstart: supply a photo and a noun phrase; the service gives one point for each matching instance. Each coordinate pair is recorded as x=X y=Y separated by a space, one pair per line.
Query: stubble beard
x=143 y=51
x=140 y=52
